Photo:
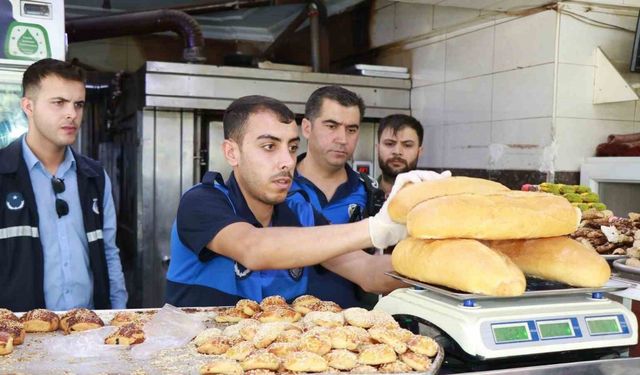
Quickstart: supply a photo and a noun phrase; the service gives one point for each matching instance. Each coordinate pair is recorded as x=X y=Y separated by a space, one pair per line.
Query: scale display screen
x=603 y=325
x=511 y=333
x=555 y=329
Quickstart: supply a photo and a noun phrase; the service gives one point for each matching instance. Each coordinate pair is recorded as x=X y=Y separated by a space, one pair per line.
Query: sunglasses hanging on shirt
x=62 y=208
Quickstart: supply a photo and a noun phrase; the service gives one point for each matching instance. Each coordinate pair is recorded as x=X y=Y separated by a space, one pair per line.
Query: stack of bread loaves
x=478 y=236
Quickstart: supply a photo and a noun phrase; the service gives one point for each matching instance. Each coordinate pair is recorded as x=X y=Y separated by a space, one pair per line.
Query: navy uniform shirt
x=347 y=205
x=198 y=276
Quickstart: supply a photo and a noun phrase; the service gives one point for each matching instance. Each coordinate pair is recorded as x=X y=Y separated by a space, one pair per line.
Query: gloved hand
x=383 y=231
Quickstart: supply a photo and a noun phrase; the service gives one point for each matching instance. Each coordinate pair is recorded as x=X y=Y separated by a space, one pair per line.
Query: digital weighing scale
x=544 y=320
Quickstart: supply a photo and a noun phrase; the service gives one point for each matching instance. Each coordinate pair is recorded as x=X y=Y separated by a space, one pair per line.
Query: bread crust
x=558 y=259
x=466 y=265
x=40 y=320
x=499 y=216
x=412 y=194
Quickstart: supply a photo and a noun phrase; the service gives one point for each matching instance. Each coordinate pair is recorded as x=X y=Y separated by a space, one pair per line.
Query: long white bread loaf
x=412 y=194
x=499 y=216
x=558 y=259
x=466 y=265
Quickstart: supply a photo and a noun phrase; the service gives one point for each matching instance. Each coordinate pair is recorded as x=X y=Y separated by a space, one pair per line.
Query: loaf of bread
x=466 y=265
x=412 y=194
x=558 y=259
x=498 y=216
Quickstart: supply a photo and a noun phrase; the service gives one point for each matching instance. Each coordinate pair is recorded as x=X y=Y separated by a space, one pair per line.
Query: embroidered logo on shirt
x=15 y=201
x=95 y=206
x=241 y=271
x=296 y=273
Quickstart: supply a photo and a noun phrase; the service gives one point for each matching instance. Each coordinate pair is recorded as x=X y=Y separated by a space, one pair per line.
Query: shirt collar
x=345 y=189
x=32 y=160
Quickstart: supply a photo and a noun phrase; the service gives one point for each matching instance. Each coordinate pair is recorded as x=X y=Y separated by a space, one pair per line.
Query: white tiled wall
x=498 y=94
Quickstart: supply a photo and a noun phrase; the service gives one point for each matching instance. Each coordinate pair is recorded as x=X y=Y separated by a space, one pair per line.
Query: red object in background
x=634 y=351
x=363 y=169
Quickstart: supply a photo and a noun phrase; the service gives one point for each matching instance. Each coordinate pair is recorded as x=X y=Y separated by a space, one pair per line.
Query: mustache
x=282 y=174
x=389 y=161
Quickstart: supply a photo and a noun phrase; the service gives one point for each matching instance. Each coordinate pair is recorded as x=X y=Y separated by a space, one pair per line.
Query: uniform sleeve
x=203 y=212
x=117 y=289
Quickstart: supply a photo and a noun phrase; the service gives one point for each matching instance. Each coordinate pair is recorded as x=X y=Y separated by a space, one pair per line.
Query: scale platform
x=549 y=317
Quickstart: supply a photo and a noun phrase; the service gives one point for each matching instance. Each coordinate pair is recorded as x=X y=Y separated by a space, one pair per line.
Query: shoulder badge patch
x=15 y=201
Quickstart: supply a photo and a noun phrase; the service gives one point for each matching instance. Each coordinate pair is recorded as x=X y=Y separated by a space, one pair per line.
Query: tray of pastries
x=267 y=337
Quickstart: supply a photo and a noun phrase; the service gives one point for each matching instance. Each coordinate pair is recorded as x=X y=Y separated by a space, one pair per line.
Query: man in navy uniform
x=58 y=223
x=239 y=239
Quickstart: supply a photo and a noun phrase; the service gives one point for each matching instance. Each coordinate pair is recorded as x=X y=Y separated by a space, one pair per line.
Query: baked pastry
x=499 y=216
x=315 y=342
x=230 y=315
x=394 y=337
x=558 y=259
x=128 y=334
x=261 y=359
x=268 y=333
x=77 y=320
x=423 y=345
x=248 y=306
x=412 y=194
x=278 y=314
x=40 y=320
x=466 y=265
x=325 y=306
x=215 y=345
x=305 y=362
x=361 y=334
x=289 y=335
x=240 y=351
x=6 y=314
x=394 y=367
x=359 y=317
x=302 y=303
x=234 y=329
x=323 y=319
x=273 y=301
x=418 y=362
x=364 y=369
x=343 y=338
x=6 y=343
x=259 y=371
x=281 y=349
x=383 y=319
x=341 y=359
x=125 y=317
x=376 y=354
x=15 y=329
x=221 y=366
x=205 y=335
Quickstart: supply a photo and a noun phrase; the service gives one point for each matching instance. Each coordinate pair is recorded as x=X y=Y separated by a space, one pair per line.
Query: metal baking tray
x=620 y=266
x=611 y=257
x=32 y=358
x=535 y=288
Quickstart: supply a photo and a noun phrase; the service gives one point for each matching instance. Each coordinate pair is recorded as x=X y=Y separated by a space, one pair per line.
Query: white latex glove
x=383 y=231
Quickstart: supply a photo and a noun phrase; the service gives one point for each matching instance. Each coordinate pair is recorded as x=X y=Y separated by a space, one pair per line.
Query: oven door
x=616 y=180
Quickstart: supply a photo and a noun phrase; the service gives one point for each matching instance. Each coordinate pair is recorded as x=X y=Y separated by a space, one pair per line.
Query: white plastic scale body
x=539 y=322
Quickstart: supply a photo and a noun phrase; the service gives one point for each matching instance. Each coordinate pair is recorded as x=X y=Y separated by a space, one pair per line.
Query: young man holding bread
x=237 y=240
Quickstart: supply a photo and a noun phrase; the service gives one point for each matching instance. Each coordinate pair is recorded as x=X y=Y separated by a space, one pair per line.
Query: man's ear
x=306 y=128
x=420 y=150
x=231 y=152
x=27 y=106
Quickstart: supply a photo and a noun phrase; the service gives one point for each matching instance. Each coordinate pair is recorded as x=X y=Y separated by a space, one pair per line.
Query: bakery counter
x=608 y=366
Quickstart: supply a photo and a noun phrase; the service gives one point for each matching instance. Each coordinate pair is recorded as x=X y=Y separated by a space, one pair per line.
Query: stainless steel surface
x=619 y=366
x=382 y=68
x=173 y=85
x=619 y=265
x=611 y=286
x=167 y=159
x=611 y=257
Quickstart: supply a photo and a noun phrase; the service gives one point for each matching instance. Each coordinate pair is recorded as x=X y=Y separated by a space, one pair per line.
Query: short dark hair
x=399 y=121
x=339 y=94
x=41 y=69
x=236 y=115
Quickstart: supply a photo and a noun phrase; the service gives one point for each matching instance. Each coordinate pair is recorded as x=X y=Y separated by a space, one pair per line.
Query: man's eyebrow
x=296 y=139
x=60 y=98
x=270 y=137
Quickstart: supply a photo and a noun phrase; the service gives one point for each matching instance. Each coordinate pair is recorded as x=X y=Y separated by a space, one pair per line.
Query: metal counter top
x=619 y=366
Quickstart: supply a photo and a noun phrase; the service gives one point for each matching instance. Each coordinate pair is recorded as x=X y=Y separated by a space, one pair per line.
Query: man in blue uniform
x=331 y=126
x=57 y=223
x=237 y=240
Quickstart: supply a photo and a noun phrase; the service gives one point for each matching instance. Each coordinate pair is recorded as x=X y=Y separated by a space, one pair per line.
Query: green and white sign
x=26 y=41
